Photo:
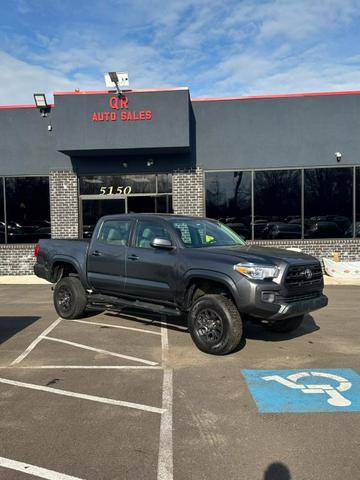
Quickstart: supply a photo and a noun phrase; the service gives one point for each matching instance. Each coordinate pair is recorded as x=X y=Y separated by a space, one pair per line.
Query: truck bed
x=73 y=251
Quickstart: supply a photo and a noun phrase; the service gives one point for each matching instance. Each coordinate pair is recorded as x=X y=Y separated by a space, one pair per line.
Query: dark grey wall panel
x=232 y=134
x=168 y=127
x=26 y=146
x=281 y=132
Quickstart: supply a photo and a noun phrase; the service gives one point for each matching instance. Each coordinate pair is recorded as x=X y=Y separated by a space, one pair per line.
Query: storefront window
x=328 y=202
x=108 y=194
x=27 y=209
x=141 y=204
x=164 y=204
x=92 y=210
x=2 y=213
x=164 y=181
x=228 y=199
x=277 y=204
x=357 y=224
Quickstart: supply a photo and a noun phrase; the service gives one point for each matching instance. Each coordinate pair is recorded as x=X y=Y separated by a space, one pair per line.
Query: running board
x=110 y=302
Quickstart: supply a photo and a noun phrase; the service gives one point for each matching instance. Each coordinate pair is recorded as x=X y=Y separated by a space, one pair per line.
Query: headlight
x=256 y=272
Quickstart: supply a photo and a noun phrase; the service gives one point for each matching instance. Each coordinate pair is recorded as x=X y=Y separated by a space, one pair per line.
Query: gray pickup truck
x=179 y=265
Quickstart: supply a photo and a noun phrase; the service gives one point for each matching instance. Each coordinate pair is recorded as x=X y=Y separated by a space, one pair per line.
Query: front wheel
x=215 y=324
x=285 y=326
x=69 y=298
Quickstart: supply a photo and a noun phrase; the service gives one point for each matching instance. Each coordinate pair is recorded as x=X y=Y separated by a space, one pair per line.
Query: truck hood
x=262 y=255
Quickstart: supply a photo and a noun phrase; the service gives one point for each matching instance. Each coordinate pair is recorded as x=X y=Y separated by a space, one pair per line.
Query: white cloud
x=19 y=80
x=215 y=47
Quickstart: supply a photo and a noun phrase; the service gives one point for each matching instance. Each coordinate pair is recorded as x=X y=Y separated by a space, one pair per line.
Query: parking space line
x=83 y=396
x=35 y=342
x=89 y=367
x=99 y=350
x=33 y=470
x=114 y=326
x=165 y=458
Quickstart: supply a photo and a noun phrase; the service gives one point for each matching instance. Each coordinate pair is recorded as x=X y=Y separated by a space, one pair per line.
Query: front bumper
x=301 y=307
x=286 y=303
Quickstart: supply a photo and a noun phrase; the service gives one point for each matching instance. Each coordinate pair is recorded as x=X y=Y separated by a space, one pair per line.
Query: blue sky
x=216 y=48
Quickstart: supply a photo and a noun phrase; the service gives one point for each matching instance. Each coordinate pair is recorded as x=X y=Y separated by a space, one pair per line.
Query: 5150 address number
x=111 y=190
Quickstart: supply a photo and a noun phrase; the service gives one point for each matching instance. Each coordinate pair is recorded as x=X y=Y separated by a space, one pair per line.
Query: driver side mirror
x=162 y=243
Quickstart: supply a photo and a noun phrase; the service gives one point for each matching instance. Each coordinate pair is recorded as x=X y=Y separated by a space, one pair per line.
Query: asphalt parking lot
x=120 y=396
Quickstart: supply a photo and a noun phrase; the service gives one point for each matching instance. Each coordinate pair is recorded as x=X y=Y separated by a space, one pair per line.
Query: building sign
x=113 y=190
x=119 y=110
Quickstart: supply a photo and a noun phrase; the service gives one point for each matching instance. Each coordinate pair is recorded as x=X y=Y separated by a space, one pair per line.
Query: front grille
x=297 y=298
x=299 y=275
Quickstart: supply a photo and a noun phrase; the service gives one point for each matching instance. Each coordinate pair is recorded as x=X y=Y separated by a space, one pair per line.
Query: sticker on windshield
x=307 y=390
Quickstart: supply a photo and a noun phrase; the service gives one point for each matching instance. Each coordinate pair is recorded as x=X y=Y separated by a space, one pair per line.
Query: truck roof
x=165 y=216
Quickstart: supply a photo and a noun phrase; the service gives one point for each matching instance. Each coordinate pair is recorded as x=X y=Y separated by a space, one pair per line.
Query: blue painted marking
x=305 y=390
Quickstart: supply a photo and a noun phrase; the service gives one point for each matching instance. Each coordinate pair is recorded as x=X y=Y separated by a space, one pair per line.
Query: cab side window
x=146 y=231
x=115 y=232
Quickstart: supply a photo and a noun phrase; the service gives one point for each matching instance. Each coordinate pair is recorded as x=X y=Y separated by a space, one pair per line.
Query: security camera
x=338 y=156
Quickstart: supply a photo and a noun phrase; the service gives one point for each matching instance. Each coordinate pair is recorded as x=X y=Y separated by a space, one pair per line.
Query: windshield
x=205 y=233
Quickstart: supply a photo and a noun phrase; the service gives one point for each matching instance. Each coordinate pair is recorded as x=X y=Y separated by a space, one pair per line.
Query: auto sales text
x=120 y=111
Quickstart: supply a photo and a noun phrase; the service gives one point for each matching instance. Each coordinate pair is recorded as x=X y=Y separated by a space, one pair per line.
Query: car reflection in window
x=24 y=233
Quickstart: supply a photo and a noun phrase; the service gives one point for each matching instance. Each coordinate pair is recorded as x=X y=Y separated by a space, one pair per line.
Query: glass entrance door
x=93 y=209
x=113 y=194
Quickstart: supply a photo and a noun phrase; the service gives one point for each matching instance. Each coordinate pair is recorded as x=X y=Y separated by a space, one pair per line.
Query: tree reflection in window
x=2 y=216
x=277 y=204
x=357 y=224
x=328 y=202
x=27 y=209
x=228 y=199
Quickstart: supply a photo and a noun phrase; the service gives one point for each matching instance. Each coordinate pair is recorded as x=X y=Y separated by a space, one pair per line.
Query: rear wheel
x=215 y=324
x=285 y=326
x=70 y=298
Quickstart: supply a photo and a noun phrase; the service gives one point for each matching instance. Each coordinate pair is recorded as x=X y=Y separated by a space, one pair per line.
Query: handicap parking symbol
x=307 y=390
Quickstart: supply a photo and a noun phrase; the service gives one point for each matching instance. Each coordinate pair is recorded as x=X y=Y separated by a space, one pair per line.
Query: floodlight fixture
x=117 y=80
x=41 y=103
x=40 y=100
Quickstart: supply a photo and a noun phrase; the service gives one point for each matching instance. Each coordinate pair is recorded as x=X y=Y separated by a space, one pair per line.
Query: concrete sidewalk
x=22 y=280
x=34 y=280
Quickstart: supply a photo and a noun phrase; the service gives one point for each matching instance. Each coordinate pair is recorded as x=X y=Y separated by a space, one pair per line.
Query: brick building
x=280 y=170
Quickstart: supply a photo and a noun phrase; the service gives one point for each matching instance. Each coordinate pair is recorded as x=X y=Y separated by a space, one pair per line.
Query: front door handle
x=133 y=257
x=96 y=253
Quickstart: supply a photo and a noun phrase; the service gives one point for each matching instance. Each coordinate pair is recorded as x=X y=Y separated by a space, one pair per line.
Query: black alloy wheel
x=64 y=299
x=70 y=298
x=209 y=326
x=215 y=324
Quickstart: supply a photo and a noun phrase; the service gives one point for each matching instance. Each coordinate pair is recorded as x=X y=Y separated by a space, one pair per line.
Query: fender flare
x=219 y=277
x=66 y=259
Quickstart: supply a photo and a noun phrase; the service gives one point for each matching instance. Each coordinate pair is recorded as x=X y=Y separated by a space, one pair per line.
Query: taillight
x=36 y=250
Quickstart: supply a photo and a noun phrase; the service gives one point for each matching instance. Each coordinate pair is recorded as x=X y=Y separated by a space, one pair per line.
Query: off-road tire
x=220 y=312
x=70 y=298
x=285 y=326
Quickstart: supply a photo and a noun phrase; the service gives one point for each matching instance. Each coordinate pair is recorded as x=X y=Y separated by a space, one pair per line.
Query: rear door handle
x=133 y=257
x=96 y=253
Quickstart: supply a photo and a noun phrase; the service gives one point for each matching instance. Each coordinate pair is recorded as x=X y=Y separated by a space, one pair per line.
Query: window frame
x=302 y=169
x=250 y=206
x=257 y=206
x=3 y=183
x=154 y=221
x=129 y=221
